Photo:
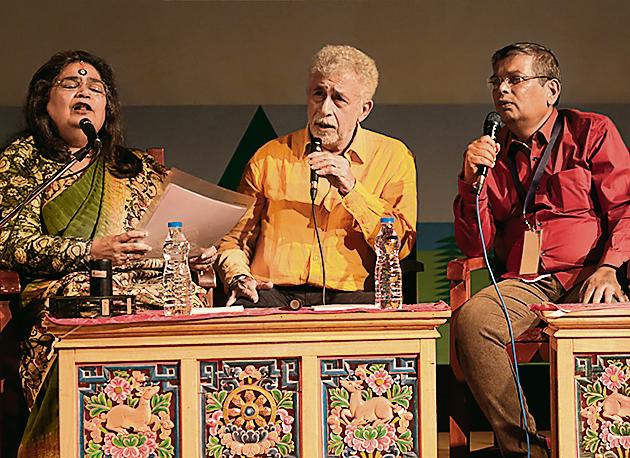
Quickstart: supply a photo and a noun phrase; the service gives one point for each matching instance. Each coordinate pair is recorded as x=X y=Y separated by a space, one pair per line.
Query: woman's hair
x=120 y=161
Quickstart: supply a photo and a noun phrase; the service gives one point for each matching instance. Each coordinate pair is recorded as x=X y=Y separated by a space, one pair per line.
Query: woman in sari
x=89 y=213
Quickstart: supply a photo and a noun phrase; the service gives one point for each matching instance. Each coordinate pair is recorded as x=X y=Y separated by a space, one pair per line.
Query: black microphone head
x=492 y=124
x=316 y=144
x=88 y=129
x=90 y=132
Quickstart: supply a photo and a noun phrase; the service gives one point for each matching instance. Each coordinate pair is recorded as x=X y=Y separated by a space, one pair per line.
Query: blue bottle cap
x=174 y=224
x=387 y=219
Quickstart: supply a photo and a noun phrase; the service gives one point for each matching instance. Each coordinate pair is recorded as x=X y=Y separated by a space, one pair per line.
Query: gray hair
x=334 y=58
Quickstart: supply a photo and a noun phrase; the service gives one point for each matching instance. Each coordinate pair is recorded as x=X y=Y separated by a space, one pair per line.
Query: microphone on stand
x=93 y=143
x=316 y=147
x=491 y=127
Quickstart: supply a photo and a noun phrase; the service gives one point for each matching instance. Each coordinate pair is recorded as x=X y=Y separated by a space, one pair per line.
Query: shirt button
x=539 y=224
x=537 y=188
x=535 y=159
x=542 y=253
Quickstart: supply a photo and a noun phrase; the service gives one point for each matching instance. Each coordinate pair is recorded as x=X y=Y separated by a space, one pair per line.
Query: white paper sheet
x=206 y=211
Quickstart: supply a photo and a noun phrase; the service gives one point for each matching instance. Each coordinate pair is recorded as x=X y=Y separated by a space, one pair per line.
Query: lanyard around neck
x=542 y=164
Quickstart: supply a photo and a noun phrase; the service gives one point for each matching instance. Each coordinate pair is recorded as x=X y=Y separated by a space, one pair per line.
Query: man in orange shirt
x=272 y=256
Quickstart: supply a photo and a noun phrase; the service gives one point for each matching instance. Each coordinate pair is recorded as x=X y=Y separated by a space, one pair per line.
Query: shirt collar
x=540 y=137
x=357 y=150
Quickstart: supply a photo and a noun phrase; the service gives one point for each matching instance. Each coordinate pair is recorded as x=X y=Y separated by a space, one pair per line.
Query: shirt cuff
x=86 y=257
x=231 y=263
x=614 y=258
x=362 y=205
x=468 y=193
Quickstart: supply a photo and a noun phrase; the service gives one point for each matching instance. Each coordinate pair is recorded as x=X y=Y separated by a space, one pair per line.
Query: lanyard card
x=530 y=259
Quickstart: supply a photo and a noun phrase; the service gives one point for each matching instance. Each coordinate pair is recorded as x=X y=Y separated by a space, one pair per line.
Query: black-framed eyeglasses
x=494 y=81
x=96 y=87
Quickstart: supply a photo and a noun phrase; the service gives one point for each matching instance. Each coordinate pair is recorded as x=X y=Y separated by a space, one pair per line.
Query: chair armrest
x=458 y=272
x=9 y=283
x=459 y=269
x=9 y=286
x=411 y=265
x=157 y=153
x=207 y=279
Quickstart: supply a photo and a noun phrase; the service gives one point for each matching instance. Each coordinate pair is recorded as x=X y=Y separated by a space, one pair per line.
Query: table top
x=582 y=316
x=412 y=317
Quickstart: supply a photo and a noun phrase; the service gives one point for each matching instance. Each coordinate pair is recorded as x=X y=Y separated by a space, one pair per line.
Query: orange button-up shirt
x=275 y=240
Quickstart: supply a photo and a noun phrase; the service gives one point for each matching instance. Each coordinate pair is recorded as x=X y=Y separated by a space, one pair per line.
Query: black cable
x=321 y=249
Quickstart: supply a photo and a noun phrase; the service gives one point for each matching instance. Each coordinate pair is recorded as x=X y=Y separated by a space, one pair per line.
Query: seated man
x=567 y=244
x=271 y=257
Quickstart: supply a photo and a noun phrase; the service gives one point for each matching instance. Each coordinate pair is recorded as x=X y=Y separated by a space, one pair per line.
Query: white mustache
x=323 y=120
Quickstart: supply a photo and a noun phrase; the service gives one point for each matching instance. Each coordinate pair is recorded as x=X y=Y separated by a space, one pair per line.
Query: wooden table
x=274 y=383
x=590 y=381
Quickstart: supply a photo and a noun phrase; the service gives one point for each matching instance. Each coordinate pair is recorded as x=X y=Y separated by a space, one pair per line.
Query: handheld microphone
x=90 y=132
x=491 y=127
x=316 y=147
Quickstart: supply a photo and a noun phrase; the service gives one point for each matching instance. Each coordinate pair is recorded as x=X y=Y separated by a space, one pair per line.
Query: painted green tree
x=259 y=132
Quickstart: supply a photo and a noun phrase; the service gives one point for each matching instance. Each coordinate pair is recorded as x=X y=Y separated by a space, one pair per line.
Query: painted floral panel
x=129 y=410
x=250 y=408
x=603 y=395
x=370 y=407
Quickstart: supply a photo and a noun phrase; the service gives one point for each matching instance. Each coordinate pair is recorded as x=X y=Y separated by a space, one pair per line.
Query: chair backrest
x=157 y=153
x=410 y=267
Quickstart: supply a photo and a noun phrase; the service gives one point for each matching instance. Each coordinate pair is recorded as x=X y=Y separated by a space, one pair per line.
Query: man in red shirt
x=568 y=243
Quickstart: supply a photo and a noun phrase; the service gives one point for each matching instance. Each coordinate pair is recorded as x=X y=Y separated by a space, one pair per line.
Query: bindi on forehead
x=79 y=68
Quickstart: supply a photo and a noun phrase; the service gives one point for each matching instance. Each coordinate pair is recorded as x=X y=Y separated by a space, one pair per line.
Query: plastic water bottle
x=176 y=279
x=387 y=272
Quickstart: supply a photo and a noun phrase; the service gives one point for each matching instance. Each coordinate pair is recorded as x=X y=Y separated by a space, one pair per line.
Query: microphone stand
x=78 y=157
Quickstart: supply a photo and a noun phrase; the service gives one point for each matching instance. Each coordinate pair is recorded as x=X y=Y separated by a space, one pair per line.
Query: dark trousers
x=282 y=296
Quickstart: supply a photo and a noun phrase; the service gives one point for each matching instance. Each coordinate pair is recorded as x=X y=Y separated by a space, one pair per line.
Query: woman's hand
x=121 y=248
x=204 y=261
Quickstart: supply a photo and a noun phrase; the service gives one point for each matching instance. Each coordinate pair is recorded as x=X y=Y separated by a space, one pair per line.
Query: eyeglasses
x=494 y=82
x=96 y=87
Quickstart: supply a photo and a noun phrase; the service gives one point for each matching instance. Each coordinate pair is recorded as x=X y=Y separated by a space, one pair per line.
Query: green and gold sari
x=49 y=242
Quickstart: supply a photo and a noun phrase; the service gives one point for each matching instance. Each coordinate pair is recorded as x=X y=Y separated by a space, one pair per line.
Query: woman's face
x=78 y=92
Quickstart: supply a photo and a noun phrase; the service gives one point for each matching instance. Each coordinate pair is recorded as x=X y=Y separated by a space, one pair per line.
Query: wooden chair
x=13 y=411
x=12 y=404
x=410 y=267
x=531 y=346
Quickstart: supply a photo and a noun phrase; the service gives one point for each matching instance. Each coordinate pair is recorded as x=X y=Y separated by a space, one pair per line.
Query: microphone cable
x=316 y=145
x=321 y=250
x=517 y=378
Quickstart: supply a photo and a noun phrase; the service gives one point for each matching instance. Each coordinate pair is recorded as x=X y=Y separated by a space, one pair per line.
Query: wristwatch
x=240 y=278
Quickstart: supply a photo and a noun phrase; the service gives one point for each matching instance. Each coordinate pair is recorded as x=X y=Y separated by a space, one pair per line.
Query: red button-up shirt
x=582 y=203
